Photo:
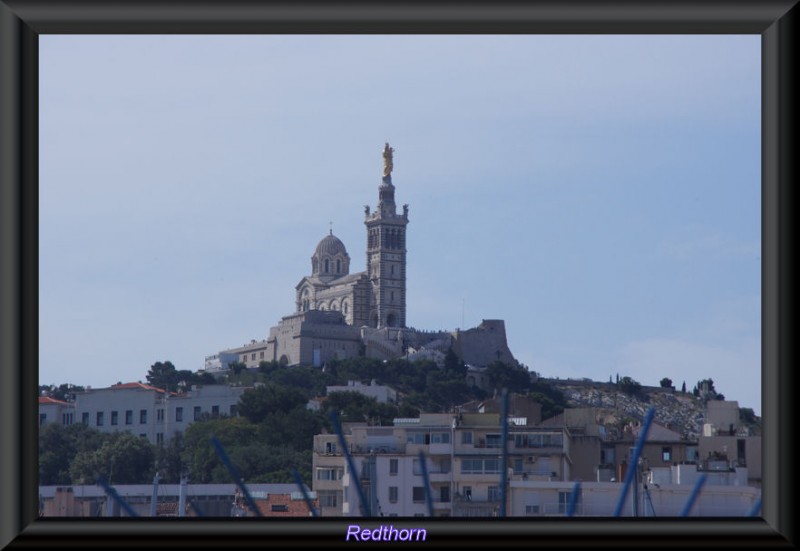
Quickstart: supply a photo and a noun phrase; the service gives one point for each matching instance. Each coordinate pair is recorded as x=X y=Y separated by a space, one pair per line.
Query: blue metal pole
x=504 y=461
x=648 y=419
x=235 y=474
x=573 y=499
x=756 y=508
x=196 y=509
x=302 y=487
x=428 y=498
x=698 y=485
x=113 y=493
x=365 y=508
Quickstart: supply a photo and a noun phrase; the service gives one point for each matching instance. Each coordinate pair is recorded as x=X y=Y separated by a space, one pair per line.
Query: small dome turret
x=330 y=260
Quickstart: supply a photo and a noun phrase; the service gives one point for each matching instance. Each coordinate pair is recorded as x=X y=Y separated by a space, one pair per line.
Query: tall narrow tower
x=386 y=253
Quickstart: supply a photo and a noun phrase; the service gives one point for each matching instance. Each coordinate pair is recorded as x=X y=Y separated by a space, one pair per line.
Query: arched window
x=326 y=265
x=338 y=265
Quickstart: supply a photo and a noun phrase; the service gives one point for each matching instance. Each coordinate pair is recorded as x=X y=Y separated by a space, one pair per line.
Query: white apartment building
x=147 y=411
x=551 y=499
x=381 y=393
x=55 y=411
x=462 y=456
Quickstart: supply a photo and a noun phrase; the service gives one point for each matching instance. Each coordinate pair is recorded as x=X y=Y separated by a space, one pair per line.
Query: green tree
x=121 y=459
x=513 y=377
x=683 y=387
x=198 y=455
x=453 y=364
x=61 y=392
x=58 y=446
x=237 y=367
x=747 y=415
x=666 y=382
x=163 y=375
x=168 y=460
x=255 y=404
x=356 y=407
x=630 y=387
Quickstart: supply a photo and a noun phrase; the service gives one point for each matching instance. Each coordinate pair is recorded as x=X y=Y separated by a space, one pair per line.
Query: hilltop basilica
x=340 y=314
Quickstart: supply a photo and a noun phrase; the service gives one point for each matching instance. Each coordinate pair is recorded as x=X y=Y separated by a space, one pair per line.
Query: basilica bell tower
x=386 y=253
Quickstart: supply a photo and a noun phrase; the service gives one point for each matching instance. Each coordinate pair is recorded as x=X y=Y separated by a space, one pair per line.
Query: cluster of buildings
x=341 y=314
x=141 y=409
x=463 y=454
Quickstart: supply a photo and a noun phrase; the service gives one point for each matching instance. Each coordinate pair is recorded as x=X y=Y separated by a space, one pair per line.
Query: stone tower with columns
x=386 y=253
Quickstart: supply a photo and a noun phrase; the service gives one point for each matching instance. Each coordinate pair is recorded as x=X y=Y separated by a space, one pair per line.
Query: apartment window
x=244 y=357
x=480 y=466
x=466 y=437
x=142 y=435
x=328 y=498
x=468 y=493
x=393 y=466
x=419 y=514
x=440 y=438
x=253 y=356
x=261 y=355
x=531 y=510
x=129 y=417
x=179 y=415
x=444 y=494
x=493 y=441
x=328 y=474
x=280 y=508
x=418 y=494
x=99 y=418
x=160 y=414
x=330 y=448
x=214 y=411
x=563 y=500
x=67 y=418
x=197 y=411
x=159 y=438
x=494 y=493
x=142 y=416
x=114 y=417
x=42 y=419
x=666 y=454
x=393 y=494
x=233 y=410
x=518 y=465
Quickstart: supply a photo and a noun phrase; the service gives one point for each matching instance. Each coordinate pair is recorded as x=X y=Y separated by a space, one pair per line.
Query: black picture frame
x=22 y=21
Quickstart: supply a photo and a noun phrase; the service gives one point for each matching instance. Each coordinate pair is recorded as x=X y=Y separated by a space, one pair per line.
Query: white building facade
x=149 y=412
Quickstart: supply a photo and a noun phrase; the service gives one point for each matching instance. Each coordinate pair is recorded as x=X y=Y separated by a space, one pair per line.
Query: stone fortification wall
x=484 y=344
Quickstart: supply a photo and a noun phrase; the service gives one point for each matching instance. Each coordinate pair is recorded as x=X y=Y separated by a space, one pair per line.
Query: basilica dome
x=330 y=245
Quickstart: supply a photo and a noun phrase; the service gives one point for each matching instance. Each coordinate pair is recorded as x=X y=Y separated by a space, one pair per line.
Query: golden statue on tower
x=387 y=160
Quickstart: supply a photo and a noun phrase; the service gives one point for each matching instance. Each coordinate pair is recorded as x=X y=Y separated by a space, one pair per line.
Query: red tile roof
x=142 y=386
x=294 y=507
x=49 y=400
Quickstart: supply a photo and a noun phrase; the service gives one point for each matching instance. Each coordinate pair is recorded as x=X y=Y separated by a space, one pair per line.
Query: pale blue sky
x=601 y=194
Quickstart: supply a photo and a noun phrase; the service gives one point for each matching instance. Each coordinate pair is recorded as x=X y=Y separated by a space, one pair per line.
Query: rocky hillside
x=682 y=413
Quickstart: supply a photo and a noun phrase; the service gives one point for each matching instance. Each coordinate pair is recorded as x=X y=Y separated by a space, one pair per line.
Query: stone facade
x=341 y=315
